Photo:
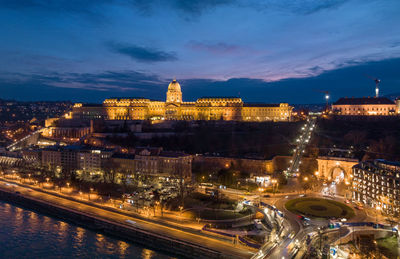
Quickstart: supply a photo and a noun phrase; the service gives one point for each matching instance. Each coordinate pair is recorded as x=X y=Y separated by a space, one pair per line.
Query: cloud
x=188 y=7
x=214 y=48
x=197 y=7
x=74 y=6
x=95 y=87
x=121 y=81
x=142 y=54
x=295 y=6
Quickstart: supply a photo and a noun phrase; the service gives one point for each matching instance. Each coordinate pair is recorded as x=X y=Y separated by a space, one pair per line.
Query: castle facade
x=174 y=108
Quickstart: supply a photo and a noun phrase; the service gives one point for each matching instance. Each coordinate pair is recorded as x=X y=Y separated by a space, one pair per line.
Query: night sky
x=262 y=51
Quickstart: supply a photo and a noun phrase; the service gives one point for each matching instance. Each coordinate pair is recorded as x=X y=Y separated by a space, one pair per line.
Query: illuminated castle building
x=174 y=108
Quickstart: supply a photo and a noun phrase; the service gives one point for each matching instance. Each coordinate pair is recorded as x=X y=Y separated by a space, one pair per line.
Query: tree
x=109 y=171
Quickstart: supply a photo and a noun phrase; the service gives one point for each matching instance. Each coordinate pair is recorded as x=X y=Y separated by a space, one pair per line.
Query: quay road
x=227 y=249
x=296 y=227
x=291 y=224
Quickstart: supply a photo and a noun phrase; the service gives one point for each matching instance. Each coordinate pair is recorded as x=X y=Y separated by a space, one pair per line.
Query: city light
x=211 y=164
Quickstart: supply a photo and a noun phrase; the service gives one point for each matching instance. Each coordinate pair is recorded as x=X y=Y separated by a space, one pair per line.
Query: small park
x=319 y=208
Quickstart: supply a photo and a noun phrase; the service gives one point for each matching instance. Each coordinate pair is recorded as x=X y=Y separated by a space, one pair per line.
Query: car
x=267 y=196
x=306 y=224
x=17 y=192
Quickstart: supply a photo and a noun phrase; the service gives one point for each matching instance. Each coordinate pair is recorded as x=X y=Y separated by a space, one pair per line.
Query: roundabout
x=320 y=208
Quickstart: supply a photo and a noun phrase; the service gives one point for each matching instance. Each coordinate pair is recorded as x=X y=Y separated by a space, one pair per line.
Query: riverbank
x=152 y=235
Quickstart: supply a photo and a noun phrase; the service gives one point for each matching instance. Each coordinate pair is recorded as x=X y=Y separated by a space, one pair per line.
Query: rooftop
x=220 y=97
x=172 y=154
x=261 y=105
x=363 y=100
x=123 y=156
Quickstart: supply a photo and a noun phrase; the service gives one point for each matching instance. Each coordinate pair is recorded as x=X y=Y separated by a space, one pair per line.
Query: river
x=28 y=234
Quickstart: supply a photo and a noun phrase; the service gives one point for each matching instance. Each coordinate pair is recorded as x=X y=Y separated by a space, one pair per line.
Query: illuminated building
x=94 y=161
x=377 y=184
x=371 y=106
x=174 y=108
x=156 y=162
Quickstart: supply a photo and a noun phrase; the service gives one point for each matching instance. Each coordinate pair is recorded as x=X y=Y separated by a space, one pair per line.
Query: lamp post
x=260 y=190
x=237 y=191
x=274 y=182
x=180 y=211
x=378 y=208
x=90 y=191
x=305 y=180
x=347 y=183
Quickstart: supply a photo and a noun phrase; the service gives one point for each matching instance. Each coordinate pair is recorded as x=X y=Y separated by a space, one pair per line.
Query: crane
x=377 y=81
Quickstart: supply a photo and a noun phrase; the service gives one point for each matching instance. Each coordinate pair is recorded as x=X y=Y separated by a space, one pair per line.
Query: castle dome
x=174 y=86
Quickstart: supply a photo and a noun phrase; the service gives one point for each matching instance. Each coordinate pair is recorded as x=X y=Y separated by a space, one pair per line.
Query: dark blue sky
x=266 y=50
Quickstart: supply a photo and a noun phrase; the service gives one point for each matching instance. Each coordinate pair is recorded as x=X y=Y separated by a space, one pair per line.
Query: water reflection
x=26 y=234
x=147 y=254
x=123 y=247
x=79 y=237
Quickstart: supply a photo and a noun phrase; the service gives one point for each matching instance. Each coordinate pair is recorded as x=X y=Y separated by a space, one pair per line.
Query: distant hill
x=316 y=107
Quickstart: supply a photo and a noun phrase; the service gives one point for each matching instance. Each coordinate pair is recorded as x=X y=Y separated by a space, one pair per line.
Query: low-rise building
x=366 y=106
x=51 y=157
x=93 y=160
x=377 y=184
x=124 y=162
x=33 y=156
x=156 y=162
x=89 y=161
x=175 y=164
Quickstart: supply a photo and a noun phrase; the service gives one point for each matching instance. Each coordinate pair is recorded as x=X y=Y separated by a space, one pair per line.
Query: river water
x=27 y=234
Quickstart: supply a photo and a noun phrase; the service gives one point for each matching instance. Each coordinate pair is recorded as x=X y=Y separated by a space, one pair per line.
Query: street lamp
x=259 y=195
x=91 y=190
x=347 y=183
x=274 y=182
x=180 y=211
x=378 y=208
